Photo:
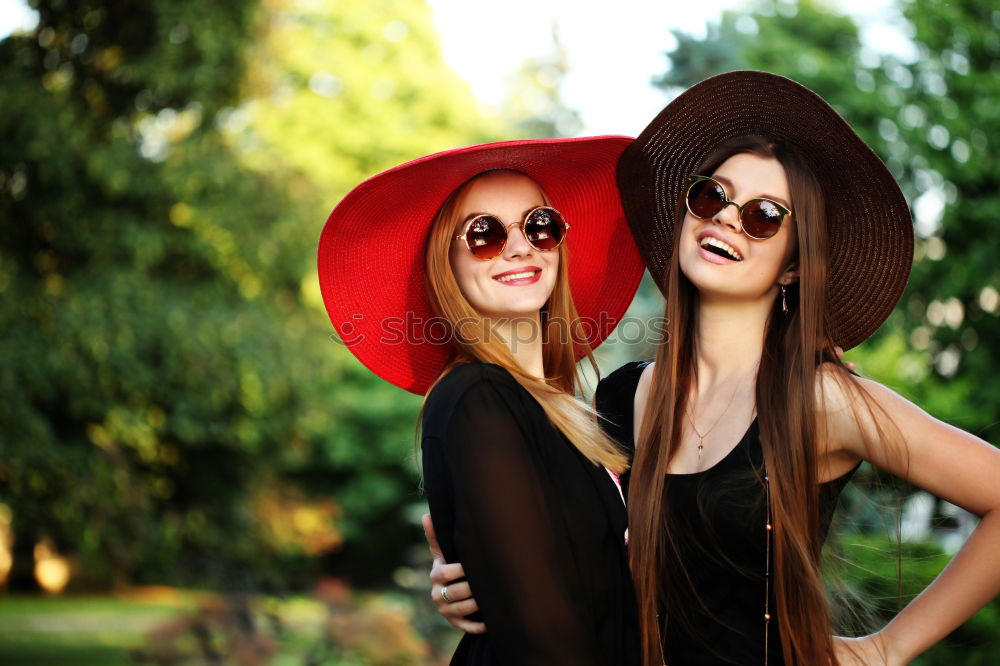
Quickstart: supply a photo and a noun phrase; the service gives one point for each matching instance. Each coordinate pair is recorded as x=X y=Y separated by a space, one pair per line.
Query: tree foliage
x=173 y=405
x=534 y=101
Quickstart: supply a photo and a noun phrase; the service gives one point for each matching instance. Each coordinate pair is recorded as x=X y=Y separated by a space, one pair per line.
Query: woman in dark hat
x=775 y=235
x=451 y=276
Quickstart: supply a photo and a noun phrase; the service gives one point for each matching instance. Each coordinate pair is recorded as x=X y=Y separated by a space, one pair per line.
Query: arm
x=461 y=602
x=949 y=463
x=512 y=548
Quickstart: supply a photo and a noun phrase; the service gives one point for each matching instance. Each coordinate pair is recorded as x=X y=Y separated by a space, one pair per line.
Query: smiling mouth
x=721 y=248
x=515 y=277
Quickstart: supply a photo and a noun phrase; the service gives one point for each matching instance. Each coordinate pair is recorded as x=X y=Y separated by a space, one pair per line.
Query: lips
x=519 y=276
x=715 y=247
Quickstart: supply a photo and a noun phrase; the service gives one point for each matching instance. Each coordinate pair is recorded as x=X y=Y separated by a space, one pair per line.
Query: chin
x=520 y=304
x=718 y=283
x=515 y=310
x=739 y=290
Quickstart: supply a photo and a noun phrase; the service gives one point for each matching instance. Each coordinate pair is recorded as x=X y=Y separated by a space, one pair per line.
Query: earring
x=784 y=300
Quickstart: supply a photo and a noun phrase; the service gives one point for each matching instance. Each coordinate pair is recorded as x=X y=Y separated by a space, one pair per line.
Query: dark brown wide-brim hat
x=870 y=226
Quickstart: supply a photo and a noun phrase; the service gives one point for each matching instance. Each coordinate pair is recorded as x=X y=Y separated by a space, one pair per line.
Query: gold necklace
x=701 y=437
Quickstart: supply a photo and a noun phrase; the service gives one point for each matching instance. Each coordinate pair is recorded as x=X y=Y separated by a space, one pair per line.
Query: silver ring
x=444 y=594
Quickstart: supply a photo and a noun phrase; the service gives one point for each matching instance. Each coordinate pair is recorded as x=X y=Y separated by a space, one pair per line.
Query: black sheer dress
x=538 y=528
x=717 y=518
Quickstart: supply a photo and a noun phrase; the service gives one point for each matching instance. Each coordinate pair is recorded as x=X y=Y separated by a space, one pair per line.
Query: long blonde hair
x=562 y=338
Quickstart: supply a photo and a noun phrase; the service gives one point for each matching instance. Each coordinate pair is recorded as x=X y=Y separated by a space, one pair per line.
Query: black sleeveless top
x=717 y=520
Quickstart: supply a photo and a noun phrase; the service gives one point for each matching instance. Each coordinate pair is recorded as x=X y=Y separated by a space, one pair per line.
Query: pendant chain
x=768 y=531
x=701 y=437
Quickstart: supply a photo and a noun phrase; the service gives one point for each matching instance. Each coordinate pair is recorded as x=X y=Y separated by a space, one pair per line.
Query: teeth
x=516 y=276
x=722 y=245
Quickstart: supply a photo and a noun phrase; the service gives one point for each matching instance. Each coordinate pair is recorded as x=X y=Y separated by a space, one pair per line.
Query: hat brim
x=371 y=250
x=870 y=226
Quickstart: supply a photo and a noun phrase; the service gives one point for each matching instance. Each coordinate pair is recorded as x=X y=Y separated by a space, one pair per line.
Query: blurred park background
x=194 y=471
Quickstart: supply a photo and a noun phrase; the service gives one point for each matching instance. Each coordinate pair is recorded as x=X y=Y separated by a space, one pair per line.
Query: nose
x=730 y=216
x=517 y=243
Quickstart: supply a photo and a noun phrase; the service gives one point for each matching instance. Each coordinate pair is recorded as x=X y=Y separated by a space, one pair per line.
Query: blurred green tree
x=333 y=94
x=941 y=130
x=173 y=407
x=534 y=100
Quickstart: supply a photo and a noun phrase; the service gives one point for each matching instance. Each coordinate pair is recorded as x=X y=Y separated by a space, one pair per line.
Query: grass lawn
x=103 y=630
x=81 y=630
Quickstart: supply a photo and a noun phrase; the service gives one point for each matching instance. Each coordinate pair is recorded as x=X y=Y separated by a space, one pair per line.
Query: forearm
x=969 y=582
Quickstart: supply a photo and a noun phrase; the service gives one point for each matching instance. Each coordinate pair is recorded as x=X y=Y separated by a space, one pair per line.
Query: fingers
x=456 y=592
x=457 y=610
x=461 y=605
x=468 y=626
x=442 y=574
x=431 y=536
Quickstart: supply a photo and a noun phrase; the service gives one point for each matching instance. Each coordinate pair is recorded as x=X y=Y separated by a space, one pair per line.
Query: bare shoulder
x=862 y=419
x=645 y=380
x=840 y=394
x=642 y=391
x=870 y=421
x=643 y=388
x=846 y=415
x=843 y=397
x=836 y=389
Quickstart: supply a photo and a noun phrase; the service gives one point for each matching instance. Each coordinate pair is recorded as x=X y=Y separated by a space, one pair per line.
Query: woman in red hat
x=484 y=310
x=775 y=235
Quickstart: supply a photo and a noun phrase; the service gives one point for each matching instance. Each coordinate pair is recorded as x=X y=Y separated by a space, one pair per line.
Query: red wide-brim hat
x=371 y=250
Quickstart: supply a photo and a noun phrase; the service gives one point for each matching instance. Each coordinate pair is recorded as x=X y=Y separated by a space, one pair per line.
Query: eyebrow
x=728 y=183
x=523 y=215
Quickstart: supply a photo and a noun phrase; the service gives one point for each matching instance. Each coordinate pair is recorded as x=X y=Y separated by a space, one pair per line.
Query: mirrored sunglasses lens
x=486 y=237
x=761 y=219
x=544 y=228
x=705 y=199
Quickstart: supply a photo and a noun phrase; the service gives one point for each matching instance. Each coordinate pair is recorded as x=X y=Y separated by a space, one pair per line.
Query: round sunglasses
x=759 y=218
x=486 y=235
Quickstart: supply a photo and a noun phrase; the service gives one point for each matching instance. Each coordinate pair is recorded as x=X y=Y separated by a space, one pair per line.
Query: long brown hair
x=562 y=338
x=794 y=347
